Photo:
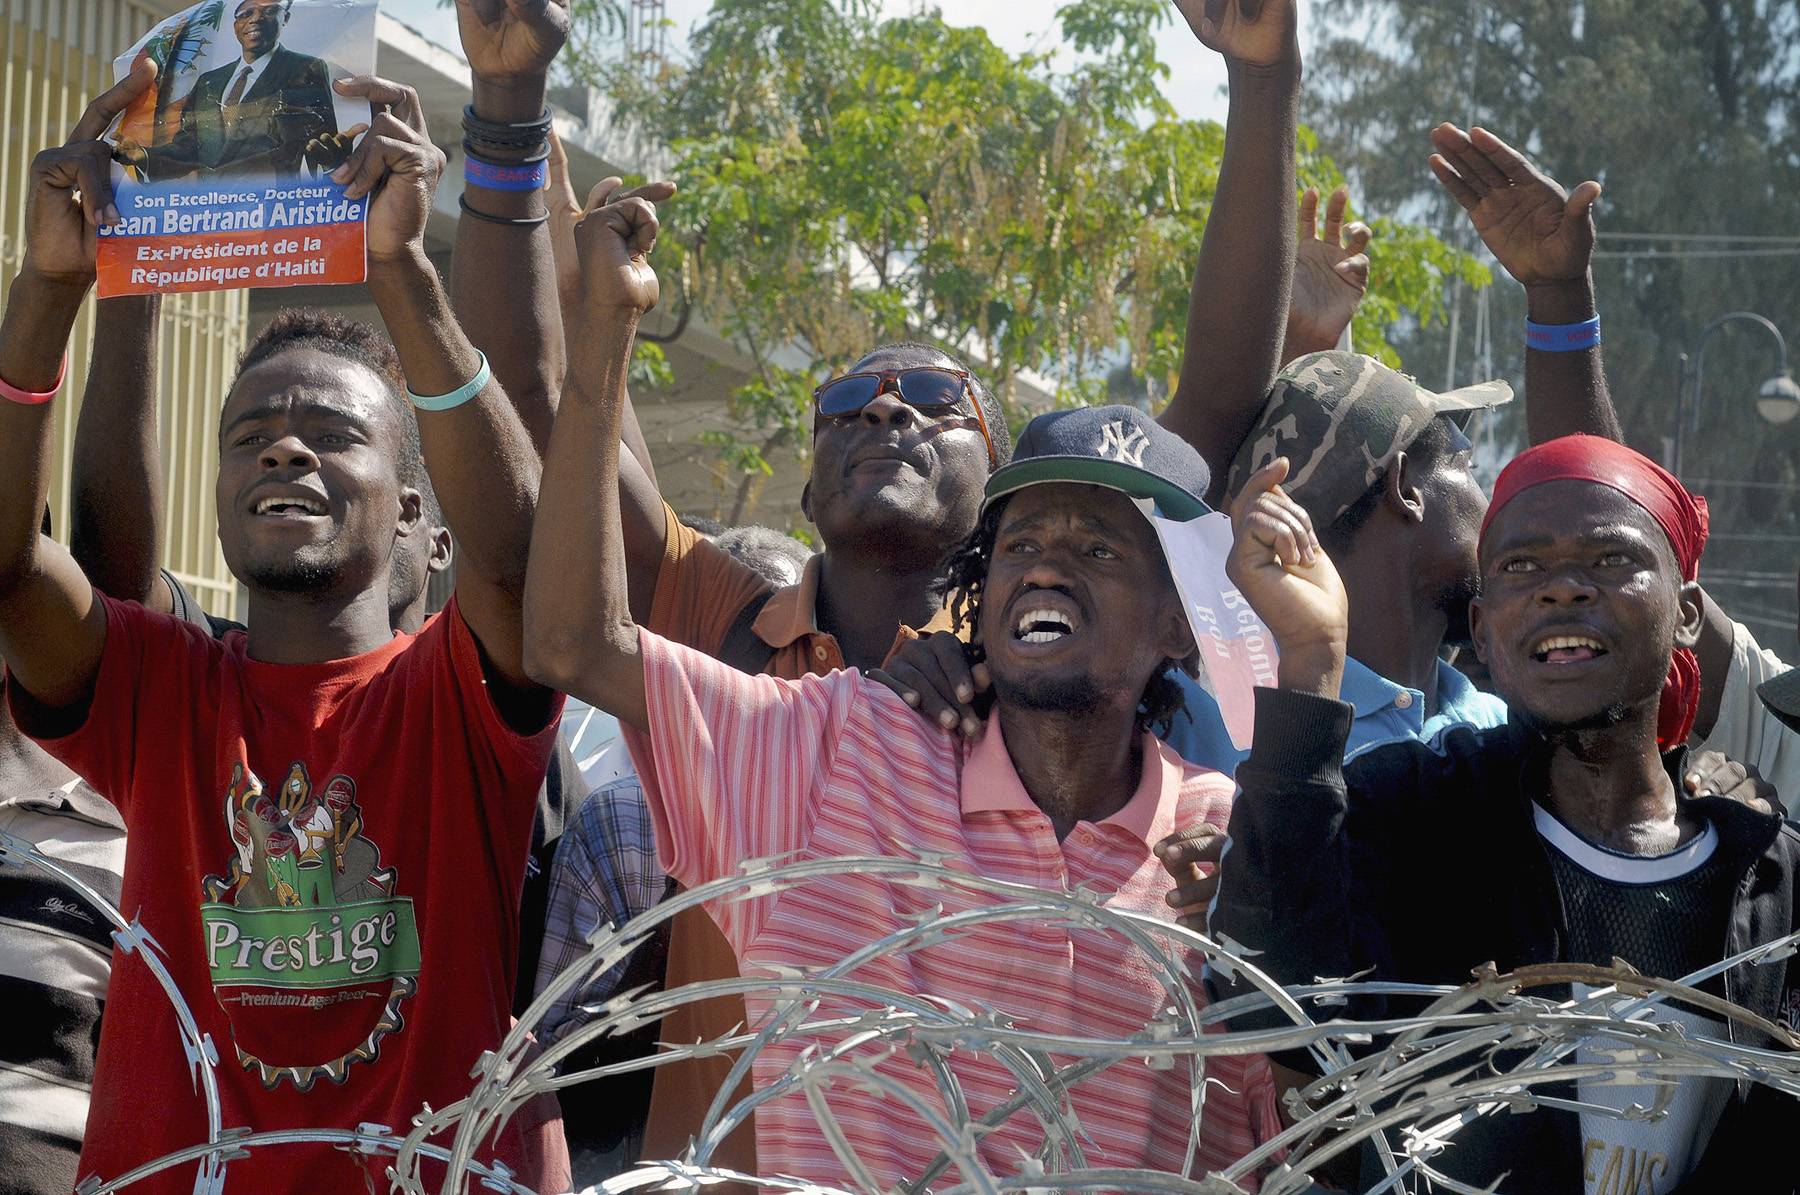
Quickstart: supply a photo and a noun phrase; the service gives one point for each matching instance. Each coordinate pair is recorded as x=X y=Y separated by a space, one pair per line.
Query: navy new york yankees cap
x=1118 y=447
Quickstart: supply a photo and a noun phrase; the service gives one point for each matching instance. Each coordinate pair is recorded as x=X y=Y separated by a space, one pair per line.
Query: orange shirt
x=700 y=591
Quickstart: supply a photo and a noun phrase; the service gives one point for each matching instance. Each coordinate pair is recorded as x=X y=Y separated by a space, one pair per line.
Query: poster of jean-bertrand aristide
x=222 y=170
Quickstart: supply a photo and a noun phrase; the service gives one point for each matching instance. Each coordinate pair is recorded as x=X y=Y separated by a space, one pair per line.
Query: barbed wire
x=1407 y=1084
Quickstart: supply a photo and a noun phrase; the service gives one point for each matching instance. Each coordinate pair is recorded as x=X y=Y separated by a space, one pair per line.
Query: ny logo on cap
x=1122 y=442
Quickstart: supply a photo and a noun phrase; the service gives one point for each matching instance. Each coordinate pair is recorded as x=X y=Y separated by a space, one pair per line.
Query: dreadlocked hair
x=964 y=575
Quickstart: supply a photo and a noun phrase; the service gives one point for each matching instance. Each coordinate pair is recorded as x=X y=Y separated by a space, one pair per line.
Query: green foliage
x=649 y=367
x=848 y=181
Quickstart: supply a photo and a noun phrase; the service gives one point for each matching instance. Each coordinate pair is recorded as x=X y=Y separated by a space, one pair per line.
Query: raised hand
x=1331 y=276
x=71 y=194
x=1277 y=564
x=1541 y=234
x=1257 y=33
x=614 y=239
x=328 y=151
x=395 y=163
x=512 y=40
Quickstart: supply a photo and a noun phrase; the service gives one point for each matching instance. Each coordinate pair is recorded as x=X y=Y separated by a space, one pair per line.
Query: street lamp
x=1778 y=400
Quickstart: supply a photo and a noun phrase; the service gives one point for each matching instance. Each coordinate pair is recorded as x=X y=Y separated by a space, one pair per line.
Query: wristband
x=503 y=221
x=458 y=396
x=29 y=398
x=1563 y=338
x=526 y=175
x=506 y=138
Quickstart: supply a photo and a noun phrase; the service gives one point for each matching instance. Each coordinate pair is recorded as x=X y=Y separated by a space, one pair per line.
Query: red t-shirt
x=330 y=856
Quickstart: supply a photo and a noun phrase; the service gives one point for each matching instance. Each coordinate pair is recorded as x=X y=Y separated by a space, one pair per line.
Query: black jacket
x=1423 y=863
x=289 y=104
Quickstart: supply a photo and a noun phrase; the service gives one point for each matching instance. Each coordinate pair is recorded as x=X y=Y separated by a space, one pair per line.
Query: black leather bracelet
x=542 y=153
x=527 y=135
x=508 y=221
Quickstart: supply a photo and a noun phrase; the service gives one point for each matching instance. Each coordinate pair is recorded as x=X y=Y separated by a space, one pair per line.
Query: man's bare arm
x=504 y=280
x=580 y=634
x=52 y=626
x=115 y=524
x=1237 y=313
x=480 y=457
x=1544 y=237
x=503 y=276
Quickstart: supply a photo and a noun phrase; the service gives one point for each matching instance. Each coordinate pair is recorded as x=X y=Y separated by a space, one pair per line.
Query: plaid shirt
x=605 y=874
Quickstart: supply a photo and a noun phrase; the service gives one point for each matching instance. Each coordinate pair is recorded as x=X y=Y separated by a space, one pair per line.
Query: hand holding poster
x=222 y=170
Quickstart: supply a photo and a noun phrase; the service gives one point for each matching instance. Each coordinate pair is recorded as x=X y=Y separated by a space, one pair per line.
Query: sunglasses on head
x=929 y=389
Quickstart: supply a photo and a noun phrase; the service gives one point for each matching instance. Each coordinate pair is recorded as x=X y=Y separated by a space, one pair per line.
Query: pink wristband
x=27 y=398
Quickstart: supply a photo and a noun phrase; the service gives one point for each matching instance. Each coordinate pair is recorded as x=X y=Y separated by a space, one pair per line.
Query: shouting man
x=328 y=821
x=1065 y=584
x=903 y=443
x=1561 y=836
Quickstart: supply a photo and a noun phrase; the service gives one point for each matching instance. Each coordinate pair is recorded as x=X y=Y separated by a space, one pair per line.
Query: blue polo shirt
x=1385 y=713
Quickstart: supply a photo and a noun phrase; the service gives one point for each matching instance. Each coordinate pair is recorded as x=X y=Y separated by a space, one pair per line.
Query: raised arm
x=52 y=627
x=565 y=214
x=503 y=276
x=1544 y=237
x=502 y=273
x=115 y=476
x=580 y=634
x=1237 y=313
x=480 y=458
x=1283 y=879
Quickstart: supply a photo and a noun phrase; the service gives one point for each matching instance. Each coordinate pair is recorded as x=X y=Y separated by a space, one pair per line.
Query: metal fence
x=58 y=53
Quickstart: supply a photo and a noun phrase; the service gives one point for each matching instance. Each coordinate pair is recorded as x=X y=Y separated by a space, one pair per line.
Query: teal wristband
x=458 y=396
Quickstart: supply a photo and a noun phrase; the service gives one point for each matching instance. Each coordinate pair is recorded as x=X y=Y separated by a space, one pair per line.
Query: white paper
x=1236 y=650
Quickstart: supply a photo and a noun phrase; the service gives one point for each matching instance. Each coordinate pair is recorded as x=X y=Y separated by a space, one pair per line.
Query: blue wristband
x=525 y=176
x=458 y=396
x=1563 y=338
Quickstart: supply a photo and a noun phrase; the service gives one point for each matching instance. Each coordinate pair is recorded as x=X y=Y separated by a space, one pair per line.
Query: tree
x=848 y=181
x=1684 y=110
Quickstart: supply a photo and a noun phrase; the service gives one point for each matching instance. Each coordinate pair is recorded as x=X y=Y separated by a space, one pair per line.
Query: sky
x=1195 y=85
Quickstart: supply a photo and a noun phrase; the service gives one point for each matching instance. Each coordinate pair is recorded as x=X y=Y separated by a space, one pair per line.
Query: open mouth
x=289 y=507
x=1042 y=626
x=1567 y=649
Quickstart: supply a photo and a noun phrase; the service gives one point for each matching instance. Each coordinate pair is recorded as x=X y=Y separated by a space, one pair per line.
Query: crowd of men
x=355 y=835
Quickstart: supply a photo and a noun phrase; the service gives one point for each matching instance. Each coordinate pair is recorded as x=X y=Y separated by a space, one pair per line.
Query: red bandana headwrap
x=1681 y=515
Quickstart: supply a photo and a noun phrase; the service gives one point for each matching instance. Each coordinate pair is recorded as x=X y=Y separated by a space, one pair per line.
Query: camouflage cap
x=1341 y=419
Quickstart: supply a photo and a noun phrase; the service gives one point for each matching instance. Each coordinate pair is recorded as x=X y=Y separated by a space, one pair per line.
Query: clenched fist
x=1277 y=564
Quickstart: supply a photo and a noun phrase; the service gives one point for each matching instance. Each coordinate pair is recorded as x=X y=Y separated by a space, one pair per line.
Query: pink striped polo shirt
x=742 y=767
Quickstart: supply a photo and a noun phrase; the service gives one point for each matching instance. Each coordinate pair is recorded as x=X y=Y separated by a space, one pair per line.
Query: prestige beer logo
x=306 y=904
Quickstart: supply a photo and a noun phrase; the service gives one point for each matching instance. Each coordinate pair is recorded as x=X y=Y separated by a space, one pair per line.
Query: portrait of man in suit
x=265 y=113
